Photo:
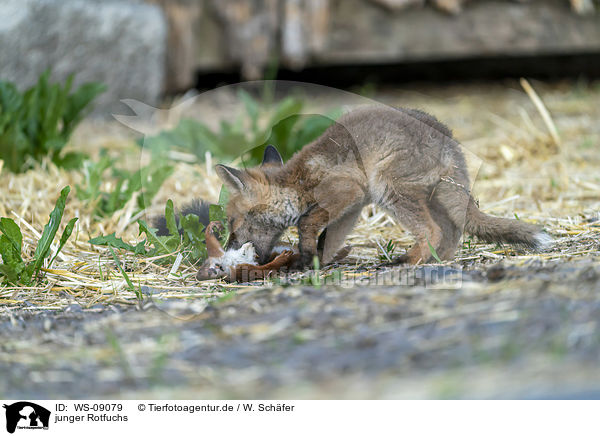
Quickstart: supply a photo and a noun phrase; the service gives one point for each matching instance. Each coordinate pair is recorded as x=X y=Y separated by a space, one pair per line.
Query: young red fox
x=403 y=160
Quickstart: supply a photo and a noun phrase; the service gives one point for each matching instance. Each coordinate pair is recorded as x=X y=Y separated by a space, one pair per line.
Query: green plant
x=387 y=251
x=245 y=136
x=113 y=241
x=144 y=183
x=123 y=273
x=433 y=251
x=14 y=269
x=292 y=133
x=39 y=121
x=185 y=235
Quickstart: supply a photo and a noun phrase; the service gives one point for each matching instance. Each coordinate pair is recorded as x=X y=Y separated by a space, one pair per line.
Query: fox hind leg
x=451 y=233
x=416 y=218
x=448 y=206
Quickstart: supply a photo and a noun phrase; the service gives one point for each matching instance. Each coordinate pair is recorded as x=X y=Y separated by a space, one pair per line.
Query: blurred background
x=149 y=49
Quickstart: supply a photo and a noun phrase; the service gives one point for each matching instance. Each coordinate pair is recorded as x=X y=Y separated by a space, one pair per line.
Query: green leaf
x=286 y=129
x=170 y=218
x=151 y=180
x=193 y=237
x=10 y=250
x=11 y=274
x=145 y=182
x=43 y=248
x=432 y=251
x=188 y=135
x=162 y=244
x=115 y=201
x=11 y=99
x=310 y=127
x=123 y=273
x=38 y=122
x=12 y=232
x=13 y=264
x=77 y=102
x=112 y=240
x=216 y=212
x=93 y=175
x=70 y=160
x=286 y=108
x=282 y=134
x=64 y=237
x=14 y=147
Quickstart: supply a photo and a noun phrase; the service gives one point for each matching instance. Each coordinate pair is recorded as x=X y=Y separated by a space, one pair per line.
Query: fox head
x=258 y=209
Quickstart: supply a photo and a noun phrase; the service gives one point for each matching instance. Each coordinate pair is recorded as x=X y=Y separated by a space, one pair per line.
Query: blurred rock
x=119 y=43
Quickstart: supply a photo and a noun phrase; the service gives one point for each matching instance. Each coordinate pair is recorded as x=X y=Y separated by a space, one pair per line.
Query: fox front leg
x=309 y=227
x=338 y=202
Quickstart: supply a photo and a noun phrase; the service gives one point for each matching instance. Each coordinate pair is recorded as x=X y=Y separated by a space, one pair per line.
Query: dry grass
x=524 y=170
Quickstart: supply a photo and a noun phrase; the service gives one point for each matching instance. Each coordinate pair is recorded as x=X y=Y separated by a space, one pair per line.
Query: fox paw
x=303 y=261
x=214 y=225
x=285 y=258
x=342 y=254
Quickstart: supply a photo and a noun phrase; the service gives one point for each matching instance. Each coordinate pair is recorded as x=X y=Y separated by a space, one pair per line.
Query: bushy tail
x=494 y=229
x=197 y=207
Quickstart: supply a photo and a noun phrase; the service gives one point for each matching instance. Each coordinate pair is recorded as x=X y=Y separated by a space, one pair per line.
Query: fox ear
x=233 y=178
x=272 y=156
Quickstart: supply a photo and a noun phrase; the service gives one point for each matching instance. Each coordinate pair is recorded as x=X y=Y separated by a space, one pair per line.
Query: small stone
x=47 y=324
x=75 y=308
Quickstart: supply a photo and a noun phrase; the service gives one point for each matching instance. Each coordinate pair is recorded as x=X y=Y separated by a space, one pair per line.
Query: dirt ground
x=494 y=323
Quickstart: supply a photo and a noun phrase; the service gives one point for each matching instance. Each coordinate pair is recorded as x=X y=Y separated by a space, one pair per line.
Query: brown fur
x=403 y=160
